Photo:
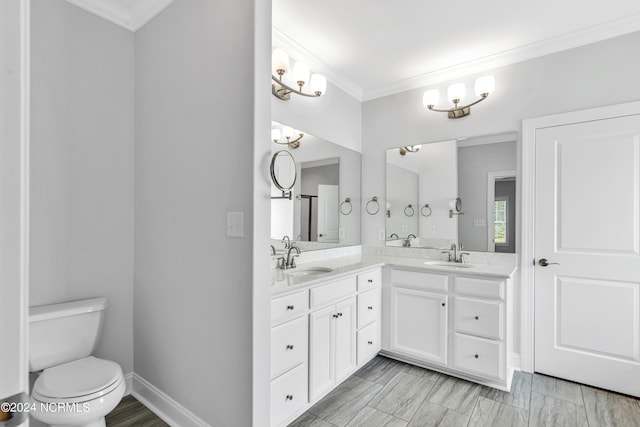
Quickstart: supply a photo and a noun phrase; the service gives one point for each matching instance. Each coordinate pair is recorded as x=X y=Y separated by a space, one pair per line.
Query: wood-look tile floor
x=130 y=412
x=388 y=393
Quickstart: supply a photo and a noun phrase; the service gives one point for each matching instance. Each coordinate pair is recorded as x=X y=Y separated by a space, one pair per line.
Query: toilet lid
x=81 y=377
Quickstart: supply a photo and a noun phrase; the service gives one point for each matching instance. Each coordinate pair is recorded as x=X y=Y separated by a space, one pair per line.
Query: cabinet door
x=419 y=324
x=345 y=339
x=321 y=368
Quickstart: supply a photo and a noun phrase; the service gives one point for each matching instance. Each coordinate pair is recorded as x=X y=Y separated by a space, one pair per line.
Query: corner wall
x=82 y=137
x=193 y=303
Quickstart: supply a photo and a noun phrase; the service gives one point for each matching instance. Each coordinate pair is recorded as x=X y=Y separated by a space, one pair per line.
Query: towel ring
x=373 y=207
x=426 y=210
x=346 y=207
x=409 y=211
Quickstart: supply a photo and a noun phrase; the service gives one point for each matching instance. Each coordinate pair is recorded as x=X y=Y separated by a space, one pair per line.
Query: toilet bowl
x=73 y=388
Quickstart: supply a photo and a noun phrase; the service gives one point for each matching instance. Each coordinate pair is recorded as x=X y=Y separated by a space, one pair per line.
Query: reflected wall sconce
x=409 y=149
x=456 y=207
x=455 y=93
x=300 y=74
x=288 y=133
x=388 y=210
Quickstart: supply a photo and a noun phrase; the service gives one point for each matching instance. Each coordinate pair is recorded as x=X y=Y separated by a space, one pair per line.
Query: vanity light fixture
x=409 y=149
x=288 y=133
x=455 y=93
x=280 y=64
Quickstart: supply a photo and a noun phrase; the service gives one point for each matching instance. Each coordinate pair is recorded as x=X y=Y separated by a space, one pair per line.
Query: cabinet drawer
x=368 y=307
x=479 y=356
x=368 y=342
x=288 y=345
x=420 y=280
x=476 y=317
x=332 y=292
x=288 y=395
x=369 y=280
x=492 y=288
x=288 y=307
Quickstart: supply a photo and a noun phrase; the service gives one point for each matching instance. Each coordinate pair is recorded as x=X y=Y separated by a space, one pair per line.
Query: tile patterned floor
x=388 y=393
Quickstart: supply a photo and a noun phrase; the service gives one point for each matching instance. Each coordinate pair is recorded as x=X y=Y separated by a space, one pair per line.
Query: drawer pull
x=370 y=280
x=289 y=397
x=335 y=316
x=477 y=318
x=289 y=347
x=370 y=307
x=370 y=342
x=339 y=314
x=476 y=356
x=290 y=307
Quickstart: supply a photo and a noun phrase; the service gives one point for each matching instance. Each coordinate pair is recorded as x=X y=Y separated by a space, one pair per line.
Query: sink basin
x=297 y=272
x=447 y=264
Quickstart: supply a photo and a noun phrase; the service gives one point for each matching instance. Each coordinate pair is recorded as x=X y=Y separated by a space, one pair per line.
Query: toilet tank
x=64 y=332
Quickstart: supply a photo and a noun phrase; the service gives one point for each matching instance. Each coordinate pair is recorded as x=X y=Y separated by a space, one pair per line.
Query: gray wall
x=12 y=294
x=194 y=150
x=82 y=138
x=473 y=165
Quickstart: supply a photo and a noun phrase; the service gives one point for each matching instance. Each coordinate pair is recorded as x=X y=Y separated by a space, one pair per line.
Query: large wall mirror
x=324 y=208
x=458 y=191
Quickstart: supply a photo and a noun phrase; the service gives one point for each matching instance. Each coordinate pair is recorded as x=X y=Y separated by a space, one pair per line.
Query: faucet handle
x=280 y=263
x=462 y=256
x=460 y=245
x=449 y=255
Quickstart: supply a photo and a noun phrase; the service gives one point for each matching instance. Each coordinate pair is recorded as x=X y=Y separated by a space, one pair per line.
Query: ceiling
x=130 y=14
x=373 y=48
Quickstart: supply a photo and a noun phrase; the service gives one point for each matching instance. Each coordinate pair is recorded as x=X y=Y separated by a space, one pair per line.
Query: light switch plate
x=479 y=223
x=381 y=234
x=341 y=233
x=235 y=224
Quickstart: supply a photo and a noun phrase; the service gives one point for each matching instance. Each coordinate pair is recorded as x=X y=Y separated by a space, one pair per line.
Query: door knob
x=543 y=262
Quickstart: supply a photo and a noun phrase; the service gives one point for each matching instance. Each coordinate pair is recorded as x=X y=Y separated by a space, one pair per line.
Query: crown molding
x=295 y=50
x=132 y=18
x=567 y=41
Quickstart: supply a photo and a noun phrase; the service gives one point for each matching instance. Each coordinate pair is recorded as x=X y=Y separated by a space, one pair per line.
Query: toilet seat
x=78 y=381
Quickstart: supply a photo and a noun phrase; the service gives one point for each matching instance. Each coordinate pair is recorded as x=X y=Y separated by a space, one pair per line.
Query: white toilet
x=74 y=388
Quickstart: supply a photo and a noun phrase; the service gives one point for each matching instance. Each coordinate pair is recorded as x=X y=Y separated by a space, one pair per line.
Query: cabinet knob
x=370 y=342
x=370 y=307
x=476 y=356
x=339 y=314
x=370 y=280
x=335 y=316
x=289 y=347
x=477 y=318
x=289 y=307
x=443 y=304
x=289 y=397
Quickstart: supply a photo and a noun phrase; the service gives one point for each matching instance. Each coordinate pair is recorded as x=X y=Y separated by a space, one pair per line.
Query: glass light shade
x=275 y=134
x=431 y=97
x=456 y=91
x=318 y=84
x=279 y=61
x=300 y=72
x=485 y=84
x=287 y=132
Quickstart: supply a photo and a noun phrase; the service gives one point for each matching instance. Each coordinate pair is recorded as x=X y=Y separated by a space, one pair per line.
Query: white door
x=321 y=358
x=345 y=339
x=587 y=228
x=419 y=324
x=328 y=213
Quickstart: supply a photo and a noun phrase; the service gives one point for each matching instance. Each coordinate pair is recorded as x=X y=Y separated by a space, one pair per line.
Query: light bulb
x=485 y=85
x=456 y=92
x=431 y=98
x=300 y=73
x=279 y=61
x=318 y=84
x=275 y=134
x=287 y=132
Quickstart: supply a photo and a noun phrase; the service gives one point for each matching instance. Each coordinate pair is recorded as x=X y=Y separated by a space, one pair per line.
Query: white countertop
x=282 y=282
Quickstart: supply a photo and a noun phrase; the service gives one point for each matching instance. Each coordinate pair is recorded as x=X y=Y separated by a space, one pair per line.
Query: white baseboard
x=164 y=406
x=128 y=380
x=515 y=361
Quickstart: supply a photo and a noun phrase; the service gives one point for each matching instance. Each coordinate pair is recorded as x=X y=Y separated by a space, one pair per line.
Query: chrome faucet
x=407 y=243
x=273 y=250
x=287 y=241
x=456 y=256
x=291 y=260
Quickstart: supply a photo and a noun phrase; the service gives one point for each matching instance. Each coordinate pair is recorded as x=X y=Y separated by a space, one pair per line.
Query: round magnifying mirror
x=283 y=170
x=458 y=204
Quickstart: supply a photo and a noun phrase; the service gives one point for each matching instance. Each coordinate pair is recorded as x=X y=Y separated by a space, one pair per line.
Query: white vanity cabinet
x=451 y=322
x=320 y=336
